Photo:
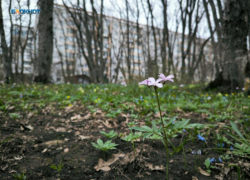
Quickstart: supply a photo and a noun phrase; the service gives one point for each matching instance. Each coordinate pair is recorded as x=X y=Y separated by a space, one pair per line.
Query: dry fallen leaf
x=50 y=143
x=84 y=137
x=45 y=150
x=154 y=167
x=66 y=150
x=87 y=117
x=104 y=166
x=60 y=129
x=77 y=133
x=219 y=177
x=12 y=171
x=194 y=178
x=4 y=167
x=30 y=115
x=27 y=127
x=205 y=173
x=18 y=158
x=69 y=109
x=11 y=107
x=76 y=118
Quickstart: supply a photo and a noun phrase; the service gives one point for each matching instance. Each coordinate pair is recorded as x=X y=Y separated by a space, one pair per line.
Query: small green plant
x=225 y=157
x=113 y=114
x=112 y=134
x=131 y=138
x=58 y=167
x=164 y=130
x=208 y=165
x=14 y=116
x=108 y=145
x=242 y=146
x=240 y=172
x=131 y=124
x=19 y=176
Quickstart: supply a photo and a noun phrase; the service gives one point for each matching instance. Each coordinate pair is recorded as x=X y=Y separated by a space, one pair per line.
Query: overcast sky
x=111 y=8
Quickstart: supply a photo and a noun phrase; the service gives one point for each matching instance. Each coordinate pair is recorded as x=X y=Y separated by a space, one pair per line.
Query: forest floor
x=43 y=134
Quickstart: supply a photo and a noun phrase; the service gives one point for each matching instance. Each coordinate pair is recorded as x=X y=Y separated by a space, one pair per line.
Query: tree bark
x=235 y=39
x=42 y=65
x=7 y=61
x=234 y=42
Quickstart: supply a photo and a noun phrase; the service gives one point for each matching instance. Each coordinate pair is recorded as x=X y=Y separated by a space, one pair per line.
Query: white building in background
x=68 y=59
x=18 y=42
x=66 y=48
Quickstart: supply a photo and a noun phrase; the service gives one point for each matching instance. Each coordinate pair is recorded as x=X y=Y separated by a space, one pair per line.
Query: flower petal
x=144 y=82
x=160 y=85
x=151 y=81
x=168 y=79
x=170 y=76
x=159 y=80
x=162 y=76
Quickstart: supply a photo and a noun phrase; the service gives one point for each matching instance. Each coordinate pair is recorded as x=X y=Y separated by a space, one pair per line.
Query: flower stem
x=165 y=135
x=134 y=147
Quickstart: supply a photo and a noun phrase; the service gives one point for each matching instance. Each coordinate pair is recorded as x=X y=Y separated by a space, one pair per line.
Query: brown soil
x=66 y=135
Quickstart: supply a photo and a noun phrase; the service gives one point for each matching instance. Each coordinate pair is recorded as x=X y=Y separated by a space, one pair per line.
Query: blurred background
x=125 y=41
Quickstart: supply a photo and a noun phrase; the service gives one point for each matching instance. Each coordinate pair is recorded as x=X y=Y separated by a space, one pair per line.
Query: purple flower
x=145 y=82
x=231 y=148
x=212 y=160
x=201 y=138
x=221 y=144
x=196 y=152
x=220 y=160
x=153 y=82
x=164 y=78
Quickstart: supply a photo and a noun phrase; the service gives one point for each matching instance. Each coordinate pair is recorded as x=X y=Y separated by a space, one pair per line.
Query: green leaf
x=155 y=129
x=142 y=129
x=207 y=163
x=146 y=135
x=235 y=128
x=100 y=142
x=53 y=167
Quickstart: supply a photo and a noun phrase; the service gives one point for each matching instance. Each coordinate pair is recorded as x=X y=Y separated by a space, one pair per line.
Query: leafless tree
x=43 y=62
x=89 y=36
x=232 y=29
x=6 y=58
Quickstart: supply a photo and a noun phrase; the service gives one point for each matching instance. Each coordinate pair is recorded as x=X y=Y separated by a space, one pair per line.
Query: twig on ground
x=123 y=174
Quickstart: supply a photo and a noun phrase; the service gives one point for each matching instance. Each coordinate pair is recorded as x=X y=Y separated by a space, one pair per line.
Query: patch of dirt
x=53 y=136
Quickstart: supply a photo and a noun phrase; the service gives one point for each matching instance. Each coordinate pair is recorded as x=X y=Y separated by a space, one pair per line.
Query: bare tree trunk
x=147 y=57
x=154 y=64
x=232 y=31
x=7 y=62
x=165 y=35
x=128 y=43
x=138 y=32
x=45 y=50
x=23 y=44
x=235 y=34
x=187 y=15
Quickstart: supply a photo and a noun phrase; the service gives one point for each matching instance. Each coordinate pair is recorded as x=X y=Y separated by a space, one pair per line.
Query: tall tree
x=235 y=39
x=7 y=61
x=89 y=36
x=232 y=35
x=154 y=62
x=42 y=65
